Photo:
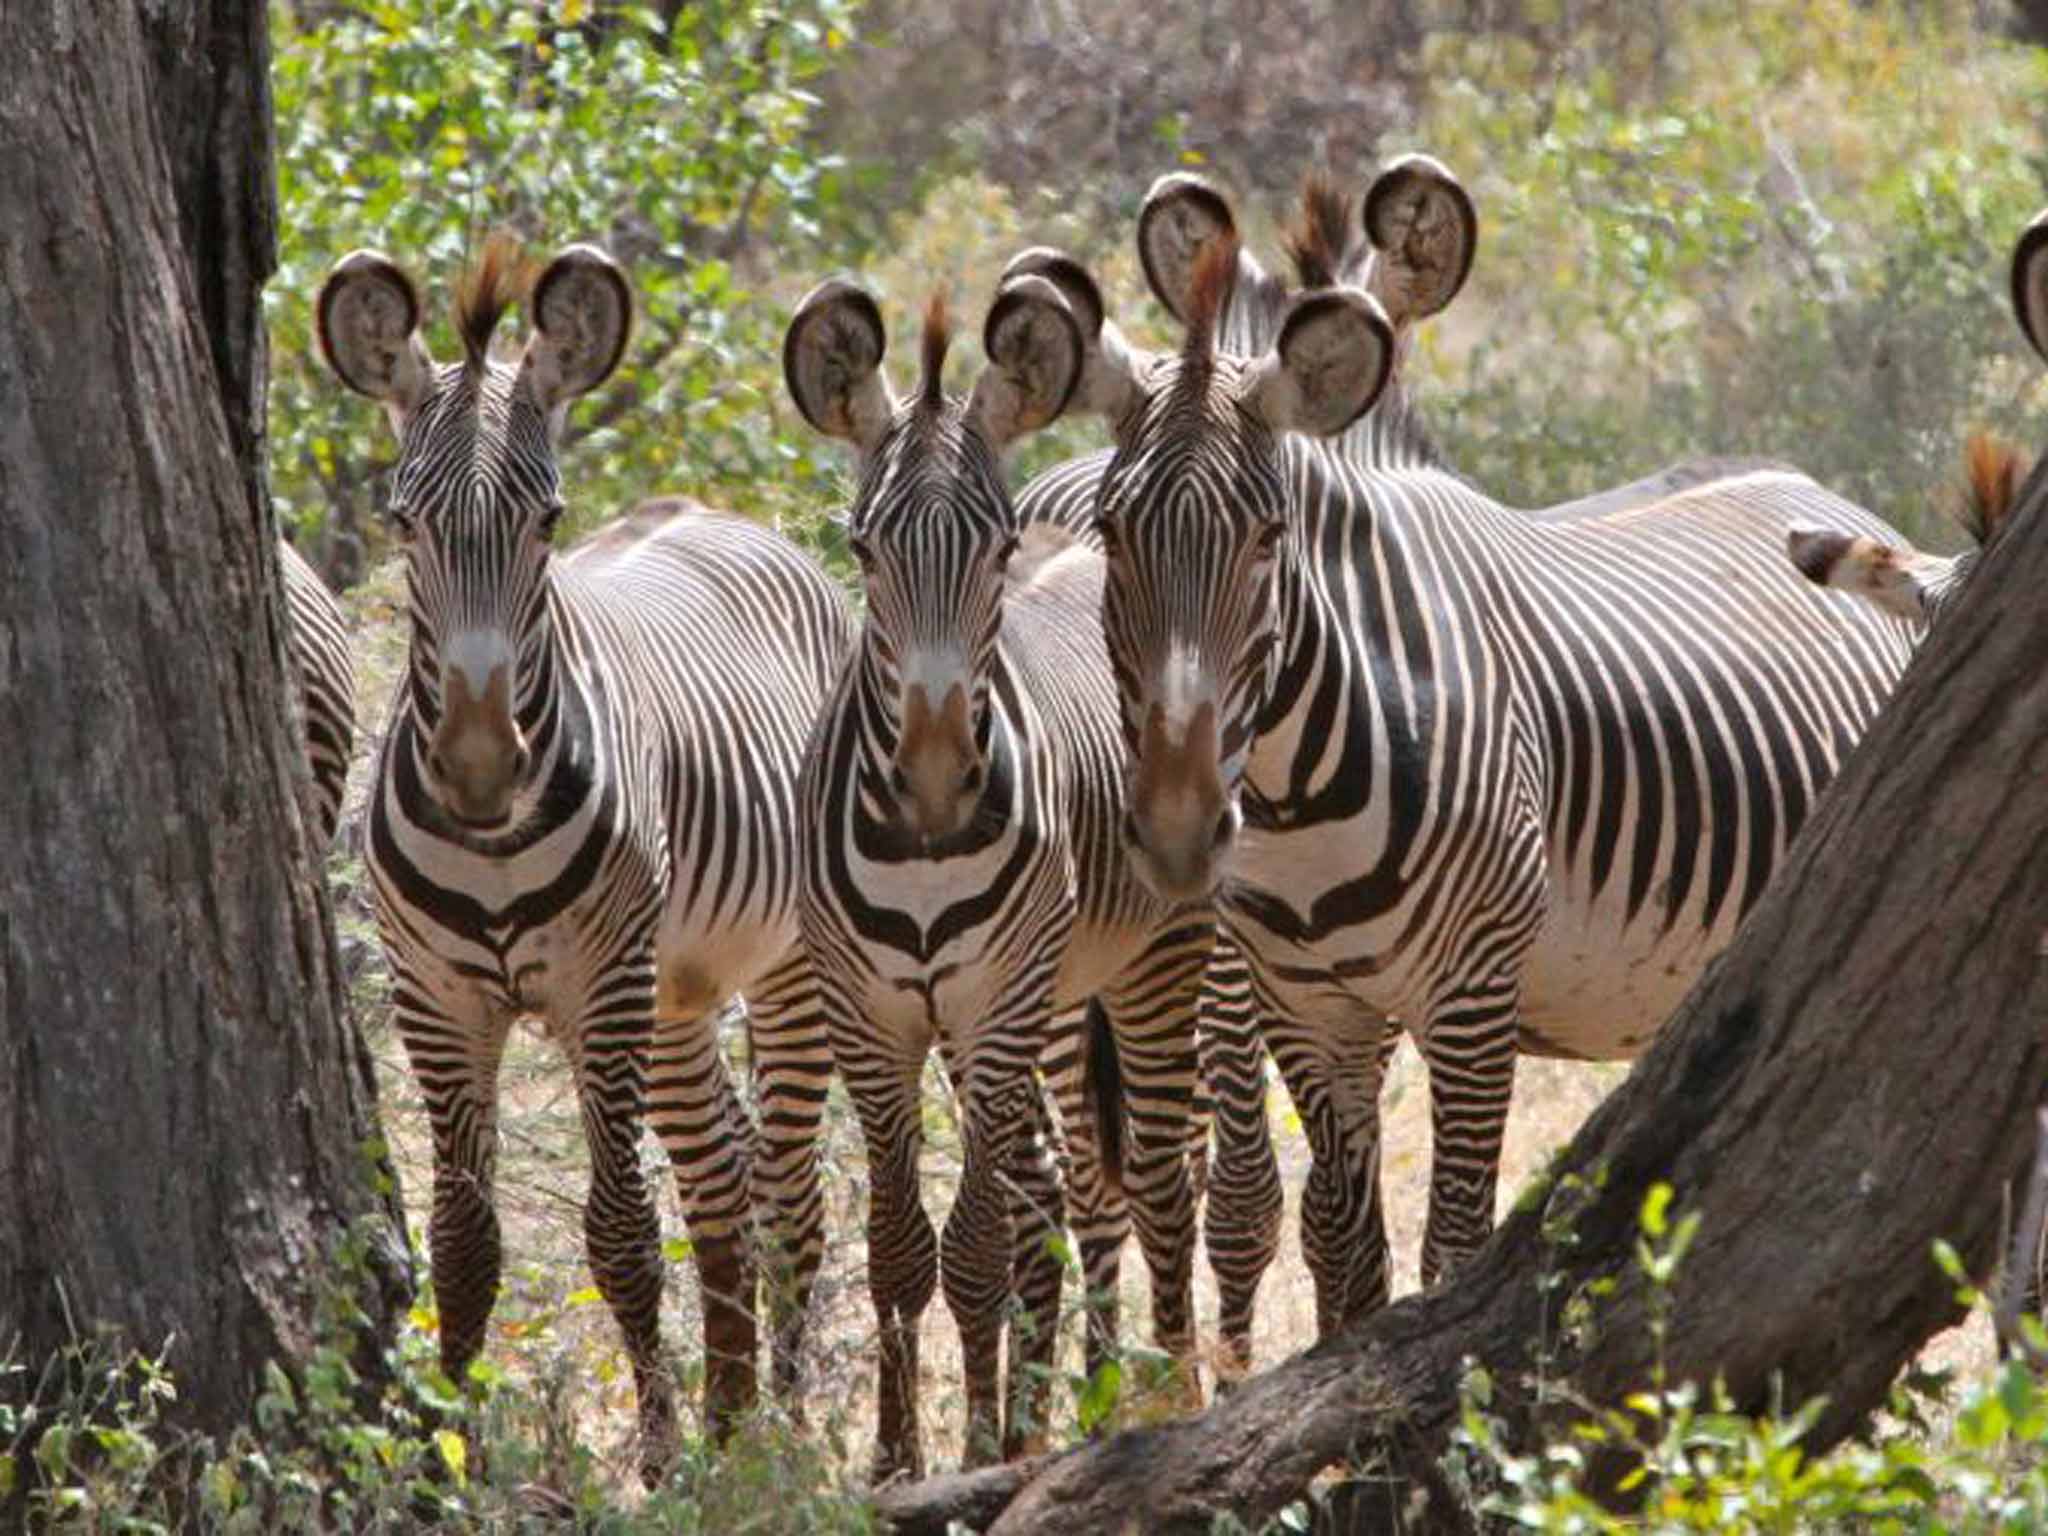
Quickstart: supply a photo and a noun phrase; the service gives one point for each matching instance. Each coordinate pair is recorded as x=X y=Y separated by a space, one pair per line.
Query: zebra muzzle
x=1180 y=821
x=938 y=771
x=478 y=756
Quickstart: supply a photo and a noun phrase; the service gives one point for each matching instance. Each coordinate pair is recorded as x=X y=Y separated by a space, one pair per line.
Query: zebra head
x=1997 y=485
x=476 y=492
x=1194 y=516
x=931 y=523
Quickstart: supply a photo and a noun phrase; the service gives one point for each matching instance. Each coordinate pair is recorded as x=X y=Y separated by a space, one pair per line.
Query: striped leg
x=456 y=1063
x=882 y=1077
x=1096 y=1210
x=1470 y=1051
x=1343 y=1225
x=1152 y=1010
x=621 y=1229
x=792 y=1070
x=1038 y=1215
x=996 y=1095
x=1241 y=1226
x=704 y=1130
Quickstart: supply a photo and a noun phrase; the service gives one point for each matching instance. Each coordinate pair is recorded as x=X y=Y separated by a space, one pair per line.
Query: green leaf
x=454 y=1455
x=1098 y=1399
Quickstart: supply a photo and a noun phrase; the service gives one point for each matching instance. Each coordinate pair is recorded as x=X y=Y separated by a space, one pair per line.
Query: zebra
x=1508 y=780
x=1907 y=581
x=1413 y=246
x=316 y=635
x=963 y=885
x=584 y=812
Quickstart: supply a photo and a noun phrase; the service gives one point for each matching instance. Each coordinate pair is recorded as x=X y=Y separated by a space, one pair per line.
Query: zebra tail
x=1102 y=1090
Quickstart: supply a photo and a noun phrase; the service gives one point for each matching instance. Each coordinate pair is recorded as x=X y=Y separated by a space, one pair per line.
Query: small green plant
x=1686 y=1460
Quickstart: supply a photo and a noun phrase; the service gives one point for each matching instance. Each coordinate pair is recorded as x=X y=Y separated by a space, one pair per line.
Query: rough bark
x=1854 y=1078
x=184 y=1102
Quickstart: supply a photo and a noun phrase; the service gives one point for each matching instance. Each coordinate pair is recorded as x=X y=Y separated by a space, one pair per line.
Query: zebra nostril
x=522 y=759
x=899 y=781
x=1224 y=831
x=970 y=778
x=437 y=764
x=1130 y=827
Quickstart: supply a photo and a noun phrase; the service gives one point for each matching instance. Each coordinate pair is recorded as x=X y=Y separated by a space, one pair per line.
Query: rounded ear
x=1421 y=220
x=832 y=362
x=1332 y=359
x=2030 y=282
x=368 y=317
x=1182 y=214
x=582 y=313
x=1072 y=279
x=1035 y=358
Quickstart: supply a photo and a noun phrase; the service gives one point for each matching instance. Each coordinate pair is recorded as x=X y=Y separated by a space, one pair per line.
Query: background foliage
x=1776 y=227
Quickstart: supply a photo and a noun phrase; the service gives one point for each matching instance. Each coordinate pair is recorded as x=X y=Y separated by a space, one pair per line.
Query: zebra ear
x=1182 y=214
x=1035 y=358
x=1109 y=366
x=368 y=317
x=2030 y=282
x=582 y=314
x=1424 y=228
x=832 y=362
x=1332 y=359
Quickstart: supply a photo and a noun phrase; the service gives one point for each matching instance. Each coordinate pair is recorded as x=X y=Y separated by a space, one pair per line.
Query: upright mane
x=1208 y=291
x=936 y=339
x=499 y=279
x=1993 y=470
x=1322 y=223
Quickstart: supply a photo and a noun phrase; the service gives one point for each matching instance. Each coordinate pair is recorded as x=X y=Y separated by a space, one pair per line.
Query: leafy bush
x=1751 y=260
x=1692 y=1463
x=418 y=125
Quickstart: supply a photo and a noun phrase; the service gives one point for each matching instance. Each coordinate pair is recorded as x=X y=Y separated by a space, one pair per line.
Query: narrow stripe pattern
x=316 y=637
x=1508 y=779
x=663 y=677
x=985 y=937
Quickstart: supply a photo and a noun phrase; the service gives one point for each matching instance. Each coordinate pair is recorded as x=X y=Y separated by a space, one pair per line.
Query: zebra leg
x=1038 y=1214
x=1096 y=1209
x=621 y=1228
x=1470 y=1052
x=1241 y=1226
x=1152 y=1011
x=1343 y=1225
x=792 y=1070
x=704 y=1130
x=978 y=1248
x=456 y=1063
x=903 y=1259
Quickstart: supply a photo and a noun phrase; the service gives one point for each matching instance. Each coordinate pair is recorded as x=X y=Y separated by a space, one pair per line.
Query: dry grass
x=550 y=1335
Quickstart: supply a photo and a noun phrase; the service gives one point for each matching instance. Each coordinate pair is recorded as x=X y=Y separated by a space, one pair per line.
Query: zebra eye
x=1005 y=550
x=864 y=555
x=1105 y=530
x=399 y=510
x=548 y=518
x=1267 y=539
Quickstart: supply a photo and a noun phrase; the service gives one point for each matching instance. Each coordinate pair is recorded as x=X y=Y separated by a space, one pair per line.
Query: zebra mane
x=1322 y=224
x=1993 y=469
x=499 y=278
x=1208 y=291
x=932 y=348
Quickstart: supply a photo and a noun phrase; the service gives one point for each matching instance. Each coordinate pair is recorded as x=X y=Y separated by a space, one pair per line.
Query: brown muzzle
x=478 y=755
x=938 y=771
x=1180 y=815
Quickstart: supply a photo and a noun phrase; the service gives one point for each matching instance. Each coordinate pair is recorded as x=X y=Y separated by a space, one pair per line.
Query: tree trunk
x=185 y=1105
x=1853 y=1079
